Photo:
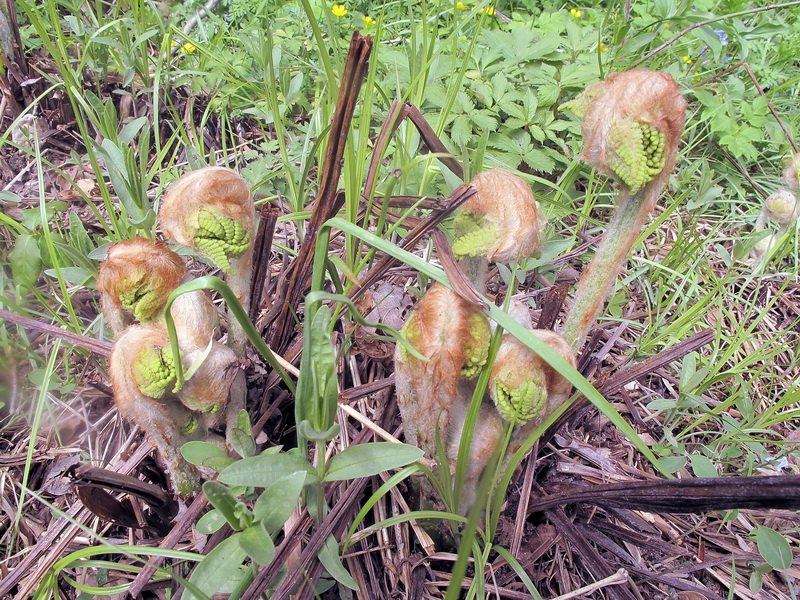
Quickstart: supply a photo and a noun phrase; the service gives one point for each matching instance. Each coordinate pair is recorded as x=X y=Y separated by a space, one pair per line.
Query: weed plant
x=125 y=99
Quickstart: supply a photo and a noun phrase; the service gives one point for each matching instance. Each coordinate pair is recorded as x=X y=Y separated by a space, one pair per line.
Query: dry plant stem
x=475 y=268
x=462 y=284
x=600 y=276
x=328 y=201
x=60 y=533
x=696 y=495
x=262 y=251
x=460 y=195
x=101 y=347
x=185 y=523
x=397 y=113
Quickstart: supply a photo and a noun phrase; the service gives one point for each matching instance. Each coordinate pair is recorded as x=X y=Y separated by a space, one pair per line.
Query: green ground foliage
x=105 y=104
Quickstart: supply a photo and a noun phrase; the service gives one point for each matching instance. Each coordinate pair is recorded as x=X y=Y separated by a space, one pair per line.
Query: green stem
x=601 y=274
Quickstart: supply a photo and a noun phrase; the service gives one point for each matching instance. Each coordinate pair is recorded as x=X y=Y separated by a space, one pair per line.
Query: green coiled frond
x=475 y=235
x=140 y=299
x=190 y=425
x=638 y=153
x=476 y=351
x=154 y=371
x=220 y=238
x=523 y=402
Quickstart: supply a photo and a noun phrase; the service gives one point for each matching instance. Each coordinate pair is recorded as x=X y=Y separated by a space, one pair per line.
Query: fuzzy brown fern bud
x=792 y=173
x=206 y=391
x=454 y=336
x=631 y=125
x=523 y=386
x=135 y=280
x=518 y=367
x=135 y=366
x=501 y=222
x=195 y=318
x=782 y=207
x=210 y=210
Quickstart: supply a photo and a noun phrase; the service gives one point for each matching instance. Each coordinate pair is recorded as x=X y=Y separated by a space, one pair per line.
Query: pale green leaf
x=702 y=466
x=26 y=262
x=256 y=541
x=365 y=460
x=265 y=469
x=278 y=502
x=218 y=570
x=774 y=548
x=329 y=557
x=210 y=522
x=204 y=454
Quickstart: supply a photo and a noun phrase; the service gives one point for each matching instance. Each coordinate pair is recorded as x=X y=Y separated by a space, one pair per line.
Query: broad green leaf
x=204 y=454
x=277 y=503
x=217 y=571
x=702 y=466
x=329 y=557
x=774 y=548
x=265 y=469
x=73 y=275
x=365 y=460
x=671 y=464
x=32 y=217
x=26 y=262
x=661 y=404
x=210 y=522
x=241 y=436
x=256 y=541
x=130 y=130
x=78 y=237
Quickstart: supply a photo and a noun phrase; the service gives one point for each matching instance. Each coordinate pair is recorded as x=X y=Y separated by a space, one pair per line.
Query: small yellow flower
x=666 y=25
x=687 y=60
x=575 y=12
x=603 y=47
x=339 y=10
x=188 y=47
x=368 y=21
x=489 y=10
x=461 y=6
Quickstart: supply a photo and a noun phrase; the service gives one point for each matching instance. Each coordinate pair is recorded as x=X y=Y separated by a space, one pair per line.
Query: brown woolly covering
x=160 y=420
x=195 y=318
x=505 y=199
x=646 y=97
x=208 y=387
x=434 y=396
x=217 y=188
x=515 y=357
x=140 y=262
x=438 y=329
x=791 y=172
x=782 y=207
